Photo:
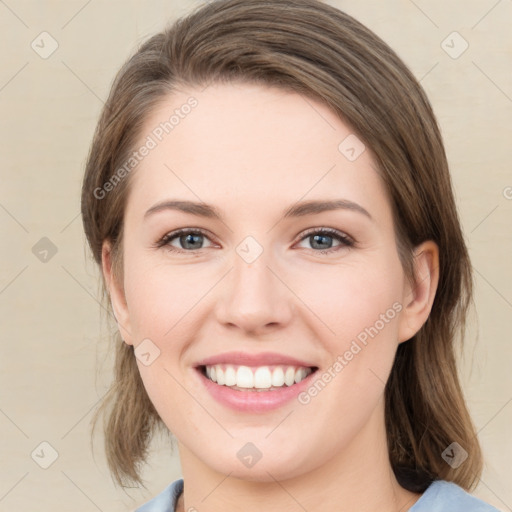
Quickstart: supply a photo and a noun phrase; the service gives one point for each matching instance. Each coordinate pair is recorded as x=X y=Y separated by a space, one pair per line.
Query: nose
x=254 y=297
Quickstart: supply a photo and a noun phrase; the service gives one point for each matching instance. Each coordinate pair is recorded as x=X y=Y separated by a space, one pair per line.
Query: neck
x=357 y=477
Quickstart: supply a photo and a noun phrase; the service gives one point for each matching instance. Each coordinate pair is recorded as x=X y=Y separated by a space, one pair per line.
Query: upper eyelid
x=327 y=230
x=176 y=233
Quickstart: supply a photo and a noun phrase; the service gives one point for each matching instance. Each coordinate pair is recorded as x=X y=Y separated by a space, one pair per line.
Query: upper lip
x=247 y=359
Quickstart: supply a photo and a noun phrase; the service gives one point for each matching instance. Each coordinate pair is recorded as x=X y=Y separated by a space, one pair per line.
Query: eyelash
x=346 y=241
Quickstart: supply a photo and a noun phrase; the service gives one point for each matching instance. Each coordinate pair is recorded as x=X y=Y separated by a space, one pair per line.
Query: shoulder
x=165 y=501
x=444 y=496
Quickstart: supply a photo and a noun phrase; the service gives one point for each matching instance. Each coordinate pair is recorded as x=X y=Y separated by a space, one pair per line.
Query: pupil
x=189 y=238
x=316 y=237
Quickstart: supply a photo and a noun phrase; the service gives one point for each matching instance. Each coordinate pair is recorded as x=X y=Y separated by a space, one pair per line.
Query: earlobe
x=116 y=294
x=418 y=299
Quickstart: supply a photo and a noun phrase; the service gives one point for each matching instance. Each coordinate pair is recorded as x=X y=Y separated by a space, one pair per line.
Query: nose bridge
x=253 y=296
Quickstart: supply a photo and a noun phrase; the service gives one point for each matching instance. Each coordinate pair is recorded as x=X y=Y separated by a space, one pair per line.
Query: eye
x=188 y=240
x=321 y=239
x=191 y=240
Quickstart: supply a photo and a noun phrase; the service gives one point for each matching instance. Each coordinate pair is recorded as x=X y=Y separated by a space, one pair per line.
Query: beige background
x=54 y=361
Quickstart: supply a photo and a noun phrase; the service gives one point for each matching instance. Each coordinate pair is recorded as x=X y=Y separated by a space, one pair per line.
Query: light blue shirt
x=440 y=496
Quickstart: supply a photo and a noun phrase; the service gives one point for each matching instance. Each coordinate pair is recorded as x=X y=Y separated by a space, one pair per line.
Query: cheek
x=347 y=299
x=359 y=359
x=161 y=295
x=160 y=302
x=360 y=307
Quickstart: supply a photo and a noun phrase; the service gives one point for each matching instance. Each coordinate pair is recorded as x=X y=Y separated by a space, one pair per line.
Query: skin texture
x=254 y=151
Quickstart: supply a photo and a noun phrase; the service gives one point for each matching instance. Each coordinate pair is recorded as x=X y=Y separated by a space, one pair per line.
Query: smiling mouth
x=250 y=379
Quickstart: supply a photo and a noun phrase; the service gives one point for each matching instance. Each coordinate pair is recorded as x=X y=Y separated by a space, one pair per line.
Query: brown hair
x=314 y=49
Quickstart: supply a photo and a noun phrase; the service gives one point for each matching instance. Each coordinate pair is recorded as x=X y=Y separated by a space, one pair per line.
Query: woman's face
x=261 y=278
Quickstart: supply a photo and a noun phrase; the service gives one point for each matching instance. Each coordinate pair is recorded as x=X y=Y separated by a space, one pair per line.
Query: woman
x=268 y=196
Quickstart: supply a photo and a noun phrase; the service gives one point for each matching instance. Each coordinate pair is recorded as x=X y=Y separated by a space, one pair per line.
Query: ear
x=418 y=299
x=116 y=294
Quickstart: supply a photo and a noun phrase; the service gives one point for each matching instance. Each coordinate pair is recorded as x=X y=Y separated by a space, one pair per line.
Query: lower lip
x=254 y=401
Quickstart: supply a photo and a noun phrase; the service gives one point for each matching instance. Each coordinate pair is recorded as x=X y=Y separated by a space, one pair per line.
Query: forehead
x=251 y=146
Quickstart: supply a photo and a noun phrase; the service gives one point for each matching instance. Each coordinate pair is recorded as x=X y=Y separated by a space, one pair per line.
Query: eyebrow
x=301 y=209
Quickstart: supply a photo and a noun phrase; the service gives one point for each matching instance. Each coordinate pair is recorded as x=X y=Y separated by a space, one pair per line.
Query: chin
x=269 y=468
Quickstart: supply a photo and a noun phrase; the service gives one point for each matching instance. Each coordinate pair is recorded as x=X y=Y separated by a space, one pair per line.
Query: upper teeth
x=258 y=377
